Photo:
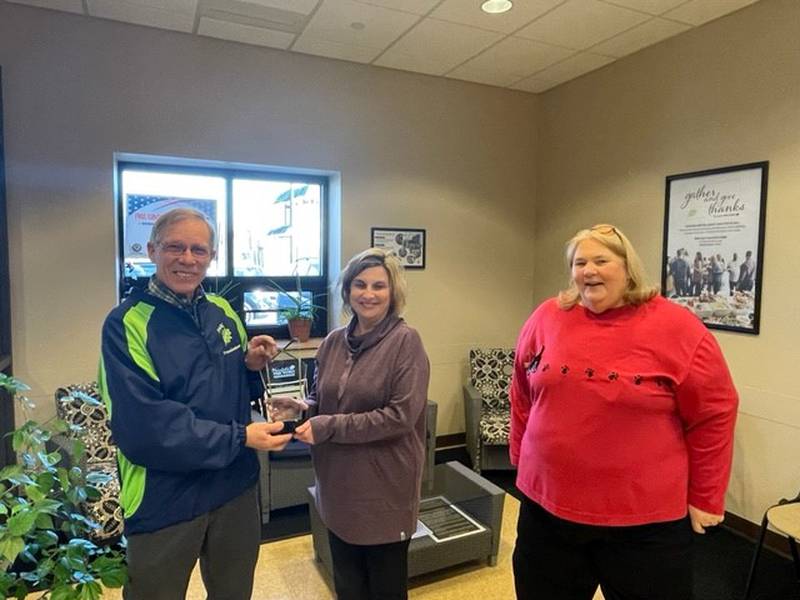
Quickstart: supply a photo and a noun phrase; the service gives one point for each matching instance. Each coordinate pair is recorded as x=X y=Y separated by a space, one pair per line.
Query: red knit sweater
x=621 y=418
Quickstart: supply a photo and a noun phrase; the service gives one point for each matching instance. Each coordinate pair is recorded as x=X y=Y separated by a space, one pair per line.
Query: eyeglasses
x=607 y=230
x=178 y=249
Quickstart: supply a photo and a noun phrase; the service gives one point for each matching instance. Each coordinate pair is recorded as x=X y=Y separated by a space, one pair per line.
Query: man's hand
x=260 y=436
x=701 y=519
x=260 y=350
x=304 y=433
x=285 y=408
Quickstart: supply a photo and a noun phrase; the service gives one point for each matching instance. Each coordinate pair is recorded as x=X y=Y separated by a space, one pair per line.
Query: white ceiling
x=535 y=46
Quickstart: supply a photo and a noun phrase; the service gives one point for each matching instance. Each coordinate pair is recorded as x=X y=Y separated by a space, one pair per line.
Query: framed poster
x=407 y=244
x=714 y=243
x=141 y=212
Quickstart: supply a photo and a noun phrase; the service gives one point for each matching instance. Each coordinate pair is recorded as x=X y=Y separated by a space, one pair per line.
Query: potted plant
x=44 y=537
x=298 y=309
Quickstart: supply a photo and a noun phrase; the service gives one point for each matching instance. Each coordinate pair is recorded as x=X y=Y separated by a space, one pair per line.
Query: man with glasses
x=173 y=376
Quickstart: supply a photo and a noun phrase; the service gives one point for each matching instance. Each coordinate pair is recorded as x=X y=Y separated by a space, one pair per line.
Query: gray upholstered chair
x=81 y=407
x=487 y=410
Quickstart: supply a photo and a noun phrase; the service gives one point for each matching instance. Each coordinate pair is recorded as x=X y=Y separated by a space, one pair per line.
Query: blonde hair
x=375 y=257
x=638 y=290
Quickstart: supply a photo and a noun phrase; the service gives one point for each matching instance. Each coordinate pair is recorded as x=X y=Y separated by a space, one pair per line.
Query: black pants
x=225 y=540
x=378 y=572
x=556 y=559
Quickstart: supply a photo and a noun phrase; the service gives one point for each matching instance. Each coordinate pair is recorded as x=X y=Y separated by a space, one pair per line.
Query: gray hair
x=176 y=215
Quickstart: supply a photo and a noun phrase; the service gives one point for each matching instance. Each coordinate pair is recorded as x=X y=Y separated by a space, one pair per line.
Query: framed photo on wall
x=407 y=244
x=714 y=244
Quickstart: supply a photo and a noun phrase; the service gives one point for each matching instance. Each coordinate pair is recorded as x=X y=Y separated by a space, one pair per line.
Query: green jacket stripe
x=226 y=307
x=136 y=332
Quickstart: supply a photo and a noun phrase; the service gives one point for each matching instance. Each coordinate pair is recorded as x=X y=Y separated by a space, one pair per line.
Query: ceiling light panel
x=246 y=34
x=177 y=15
x=300 y=6
x=468 y=13
x=579 y=24
x=435 y=47
x=247 y=13
x=73 y=6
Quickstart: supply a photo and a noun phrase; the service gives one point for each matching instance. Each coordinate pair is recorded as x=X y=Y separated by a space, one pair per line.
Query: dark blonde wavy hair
x=375 y=257
x=638 y=291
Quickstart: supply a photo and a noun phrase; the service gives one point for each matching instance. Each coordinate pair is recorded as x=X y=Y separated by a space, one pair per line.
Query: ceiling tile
x=299 y=6
x=651 y=7
x=535 y=85
x=417 y=7
x=697 y=12
x=573 y=67
x=350 y=23
x=579 y=24
x=246 y=34
x=434 y=47
x=479 y=76
x=644 y=35
x=73 y=6
x=164 y=14
x=352 y=52
x=470 y=13
x=514 y=58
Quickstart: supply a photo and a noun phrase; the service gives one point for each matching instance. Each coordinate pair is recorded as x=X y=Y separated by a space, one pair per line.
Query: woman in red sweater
x=622 y=417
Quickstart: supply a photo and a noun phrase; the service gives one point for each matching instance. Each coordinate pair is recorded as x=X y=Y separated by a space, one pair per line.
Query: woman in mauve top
x=367 y=431
x=622 y=417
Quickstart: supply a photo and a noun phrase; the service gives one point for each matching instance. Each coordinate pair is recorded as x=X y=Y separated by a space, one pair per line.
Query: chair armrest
x=472 y=420
x=478 y=496
x=472 y=406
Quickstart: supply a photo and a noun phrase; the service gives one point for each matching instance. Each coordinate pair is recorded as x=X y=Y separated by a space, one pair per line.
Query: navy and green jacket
x=178 y=398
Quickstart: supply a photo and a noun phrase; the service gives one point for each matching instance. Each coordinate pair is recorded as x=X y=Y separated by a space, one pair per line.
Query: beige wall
x=454 y=158
x=727 y=93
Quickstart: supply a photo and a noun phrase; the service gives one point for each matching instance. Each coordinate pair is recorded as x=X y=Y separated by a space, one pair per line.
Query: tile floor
x=286 y=569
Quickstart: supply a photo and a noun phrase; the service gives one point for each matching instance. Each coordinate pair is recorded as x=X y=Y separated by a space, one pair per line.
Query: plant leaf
x=114 y=578
x=10 y=547
x=21 y=523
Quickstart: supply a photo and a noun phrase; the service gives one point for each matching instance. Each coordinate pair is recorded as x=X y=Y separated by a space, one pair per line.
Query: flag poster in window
x=407 y=244
x=143 y=210
x=714 y=244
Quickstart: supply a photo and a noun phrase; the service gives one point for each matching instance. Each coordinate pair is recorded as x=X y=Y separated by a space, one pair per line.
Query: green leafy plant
x=44 y=537
x=302 y=307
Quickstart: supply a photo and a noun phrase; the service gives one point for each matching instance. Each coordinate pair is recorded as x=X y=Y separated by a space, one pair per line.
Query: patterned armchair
x=487 y=409
x=101 y=455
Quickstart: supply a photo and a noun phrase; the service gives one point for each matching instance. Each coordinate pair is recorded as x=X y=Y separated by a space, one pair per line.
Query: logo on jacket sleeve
x=224 y=333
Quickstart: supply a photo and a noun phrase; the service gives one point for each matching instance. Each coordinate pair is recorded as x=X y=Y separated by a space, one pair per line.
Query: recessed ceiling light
x=494 y=7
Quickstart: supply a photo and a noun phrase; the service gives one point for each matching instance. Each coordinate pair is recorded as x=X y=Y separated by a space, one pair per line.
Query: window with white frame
x=270 y=235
